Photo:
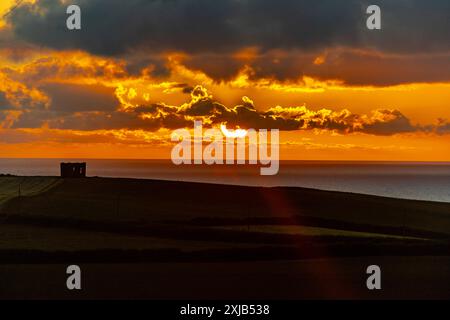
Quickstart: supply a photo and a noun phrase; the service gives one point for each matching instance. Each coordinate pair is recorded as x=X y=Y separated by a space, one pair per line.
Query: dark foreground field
x=159 y=239
x=328 y=278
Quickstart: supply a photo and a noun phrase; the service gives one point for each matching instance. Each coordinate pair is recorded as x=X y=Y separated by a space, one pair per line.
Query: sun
x=237 y=133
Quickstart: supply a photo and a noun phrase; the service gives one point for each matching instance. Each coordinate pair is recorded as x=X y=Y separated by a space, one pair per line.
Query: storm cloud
x=114 y=27
x=202 y=106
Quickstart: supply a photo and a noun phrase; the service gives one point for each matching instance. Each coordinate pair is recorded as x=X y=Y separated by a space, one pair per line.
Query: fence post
x=19 y=197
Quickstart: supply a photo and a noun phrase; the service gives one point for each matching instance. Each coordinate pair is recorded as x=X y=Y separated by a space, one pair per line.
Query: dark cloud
x=413 y=45
x=384 y=122
x=63 y=101
x=12 y=48
x=12 y=136
x=87 y=120
x=4 y=103
x=443 y=127
x=138 y=65
x=353 y=67
x=369 y=68
x=188 y=89
x=64 y=67
x=218 y=66
x=388 y=122
x=69 y=98
x=113 y=27
x=16 y=95
x=203 y=107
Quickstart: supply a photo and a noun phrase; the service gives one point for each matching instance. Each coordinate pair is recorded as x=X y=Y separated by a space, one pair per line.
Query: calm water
x=409 y=180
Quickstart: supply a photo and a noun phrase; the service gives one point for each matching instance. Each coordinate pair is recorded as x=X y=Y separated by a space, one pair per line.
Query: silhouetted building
x=73 y=170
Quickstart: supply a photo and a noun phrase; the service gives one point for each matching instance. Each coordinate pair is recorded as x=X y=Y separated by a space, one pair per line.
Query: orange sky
x=72 y=103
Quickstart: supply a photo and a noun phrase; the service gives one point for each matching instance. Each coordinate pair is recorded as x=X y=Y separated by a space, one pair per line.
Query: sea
x=406 y=180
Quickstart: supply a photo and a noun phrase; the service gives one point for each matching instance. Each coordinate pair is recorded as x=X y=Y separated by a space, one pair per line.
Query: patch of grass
x=309 y=231
x=11 y=186
x=150 y=201
x=23 y=237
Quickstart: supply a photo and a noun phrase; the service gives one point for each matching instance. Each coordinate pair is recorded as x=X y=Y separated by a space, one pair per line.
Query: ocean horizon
x=428 y=181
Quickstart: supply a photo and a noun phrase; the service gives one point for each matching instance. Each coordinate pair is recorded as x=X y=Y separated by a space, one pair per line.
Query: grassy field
x=77 y=215
x=147 y=202
x=11 y=187
x=168 y=228
x=332 y=278
x=26 y=237
x=310 y=231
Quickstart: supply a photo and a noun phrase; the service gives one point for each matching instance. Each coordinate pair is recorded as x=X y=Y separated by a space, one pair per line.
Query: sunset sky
x=139 y=69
